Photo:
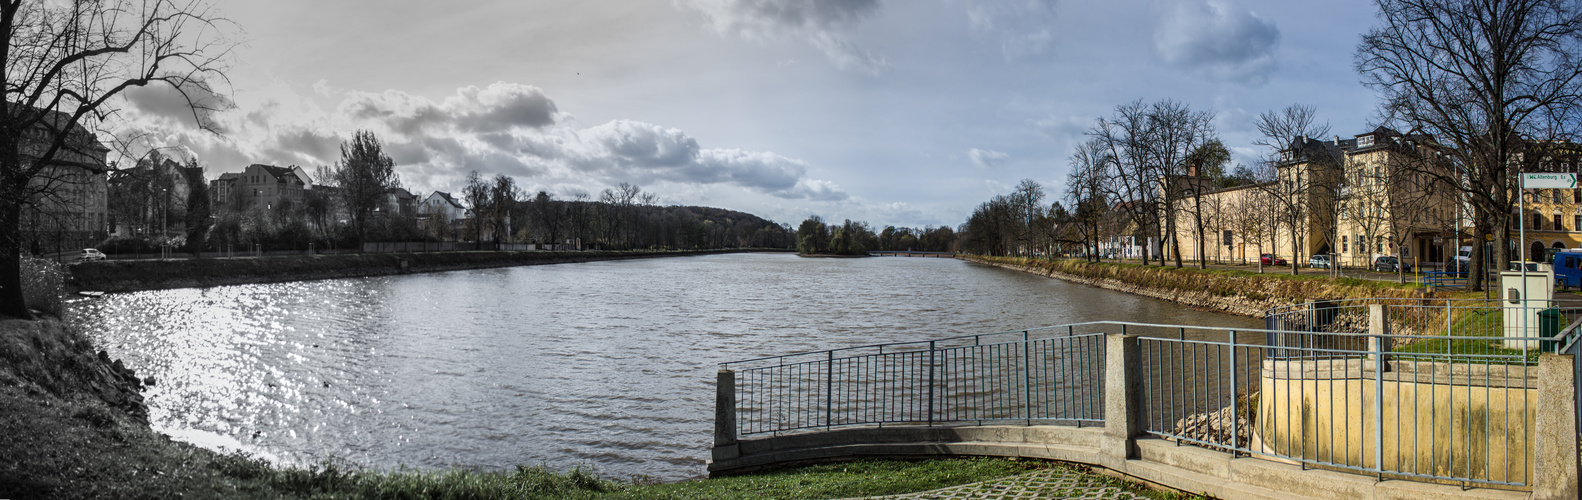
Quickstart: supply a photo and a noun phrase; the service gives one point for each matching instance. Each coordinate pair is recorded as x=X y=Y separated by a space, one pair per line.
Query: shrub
x=43 y=284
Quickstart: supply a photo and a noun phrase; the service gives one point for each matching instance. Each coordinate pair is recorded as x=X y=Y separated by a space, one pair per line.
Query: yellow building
x=1356 y=199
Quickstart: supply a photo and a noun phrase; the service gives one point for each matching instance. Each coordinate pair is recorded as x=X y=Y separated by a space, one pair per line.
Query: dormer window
x=1365 y=141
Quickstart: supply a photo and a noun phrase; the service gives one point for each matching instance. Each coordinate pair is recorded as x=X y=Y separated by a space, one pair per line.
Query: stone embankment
x=133 y=275
x=49 y=357
x=1234 y=292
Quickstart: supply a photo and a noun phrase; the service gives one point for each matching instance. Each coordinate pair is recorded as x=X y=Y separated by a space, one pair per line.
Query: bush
x=114 y=246
x=43 y=284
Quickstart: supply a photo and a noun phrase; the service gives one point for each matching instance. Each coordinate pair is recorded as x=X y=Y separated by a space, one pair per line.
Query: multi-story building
x=150 y=197
x=264 y=186
x=71 y=210
x=1376 y=193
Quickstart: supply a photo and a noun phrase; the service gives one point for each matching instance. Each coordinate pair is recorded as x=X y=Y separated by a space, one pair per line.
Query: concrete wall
x=1436 y=424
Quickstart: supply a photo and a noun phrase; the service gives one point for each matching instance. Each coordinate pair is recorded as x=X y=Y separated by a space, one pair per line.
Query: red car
x=1269 y=259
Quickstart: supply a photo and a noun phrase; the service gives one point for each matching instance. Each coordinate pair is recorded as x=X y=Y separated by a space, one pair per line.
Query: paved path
x=1054 y=482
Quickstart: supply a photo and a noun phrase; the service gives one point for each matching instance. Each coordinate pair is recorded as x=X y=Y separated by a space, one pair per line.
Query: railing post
x=931 y=362
x=1554 y=473
x=1378 y=327
x=725 y=443
x=1027 y=379
x=1122 y=406
x=829 y=390
x=1235 y=416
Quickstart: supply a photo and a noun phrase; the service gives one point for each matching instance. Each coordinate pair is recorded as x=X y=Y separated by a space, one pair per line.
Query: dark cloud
x=191 y=104
x=1219 y=41
x=630 y=151
x=498 y=107
x=502 y=106
x=321 y=148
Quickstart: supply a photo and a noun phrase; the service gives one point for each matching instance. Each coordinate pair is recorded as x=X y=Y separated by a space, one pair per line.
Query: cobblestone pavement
x=1055 y=482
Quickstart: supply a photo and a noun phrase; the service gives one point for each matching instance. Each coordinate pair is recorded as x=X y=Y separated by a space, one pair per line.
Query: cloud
x=986 y=158
x=1063 y=127
x=632 y=151
x=504 y=128
x=499 y=107
x=193 y=102
x=1023 y=26
x=821 y=23
x=1218 y=41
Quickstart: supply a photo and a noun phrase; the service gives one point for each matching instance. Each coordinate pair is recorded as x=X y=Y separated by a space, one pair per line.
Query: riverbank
x=1229 y=291
x=134 y=275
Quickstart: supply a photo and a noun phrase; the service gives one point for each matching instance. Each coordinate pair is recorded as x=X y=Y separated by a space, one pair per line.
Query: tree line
x=814 y=236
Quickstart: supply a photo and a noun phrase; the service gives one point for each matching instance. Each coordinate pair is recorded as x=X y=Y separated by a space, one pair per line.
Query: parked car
x=1458 y=267
x=1318 y=261
x=1390 y=264
x=1269 y=259
x=90 y=254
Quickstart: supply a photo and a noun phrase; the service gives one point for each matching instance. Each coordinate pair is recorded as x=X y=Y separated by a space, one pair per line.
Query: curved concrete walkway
x=1054 y=482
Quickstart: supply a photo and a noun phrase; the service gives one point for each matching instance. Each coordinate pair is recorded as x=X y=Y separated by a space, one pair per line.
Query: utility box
x=1523 y=296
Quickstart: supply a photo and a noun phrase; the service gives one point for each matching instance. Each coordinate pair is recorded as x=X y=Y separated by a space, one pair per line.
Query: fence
x=1413 y=403
x=1048 y=375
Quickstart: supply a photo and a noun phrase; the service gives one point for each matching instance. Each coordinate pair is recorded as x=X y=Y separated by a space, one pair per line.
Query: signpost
x=1547 y=180
x=1534 y=180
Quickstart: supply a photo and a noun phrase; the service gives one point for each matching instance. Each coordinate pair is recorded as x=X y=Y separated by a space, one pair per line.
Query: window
x=1342 y=214
x=1346 y=248
x=1558 y=227
x=1364 y=141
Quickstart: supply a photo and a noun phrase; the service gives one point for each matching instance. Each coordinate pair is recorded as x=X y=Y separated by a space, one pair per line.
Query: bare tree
x=1148 y=148
x=1085 y=190
x=1300 y=197
x=65 y=66
x=1483 y=77
x=1207 y=164
x=476 y=192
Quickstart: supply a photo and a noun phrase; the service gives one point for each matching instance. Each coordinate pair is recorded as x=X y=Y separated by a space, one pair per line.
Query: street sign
x=1546 y=180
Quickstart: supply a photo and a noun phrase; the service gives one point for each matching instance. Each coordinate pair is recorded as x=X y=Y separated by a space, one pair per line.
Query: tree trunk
x=12 y=303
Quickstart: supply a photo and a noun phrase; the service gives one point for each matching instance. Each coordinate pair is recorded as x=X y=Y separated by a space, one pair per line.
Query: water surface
x=605 y=363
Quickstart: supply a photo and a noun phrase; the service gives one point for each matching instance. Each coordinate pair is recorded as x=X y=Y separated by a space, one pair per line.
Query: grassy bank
x=131 y=275
x=1235 y=291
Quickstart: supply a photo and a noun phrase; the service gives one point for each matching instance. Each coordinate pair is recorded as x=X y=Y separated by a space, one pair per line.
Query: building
x=150 y=197
x=1376 y=193
x=264 y=186
x=70 y=211
x=399 y=201
x=442 y=203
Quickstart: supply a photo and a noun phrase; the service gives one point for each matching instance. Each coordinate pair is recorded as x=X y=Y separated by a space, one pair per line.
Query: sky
x=895 y=113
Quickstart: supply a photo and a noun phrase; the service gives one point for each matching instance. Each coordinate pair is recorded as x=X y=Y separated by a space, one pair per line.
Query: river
x=609 y=364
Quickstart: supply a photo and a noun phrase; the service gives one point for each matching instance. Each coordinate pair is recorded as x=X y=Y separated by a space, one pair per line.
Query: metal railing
x=1514 y=330
x=1424 y=415
x=1318 y=389
x=1046 y=375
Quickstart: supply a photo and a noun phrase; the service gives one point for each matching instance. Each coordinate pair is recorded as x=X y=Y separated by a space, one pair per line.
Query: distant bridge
x=908 y=253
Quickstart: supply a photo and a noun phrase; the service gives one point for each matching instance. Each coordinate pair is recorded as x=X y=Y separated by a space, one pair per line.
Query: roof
x=447 y=197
